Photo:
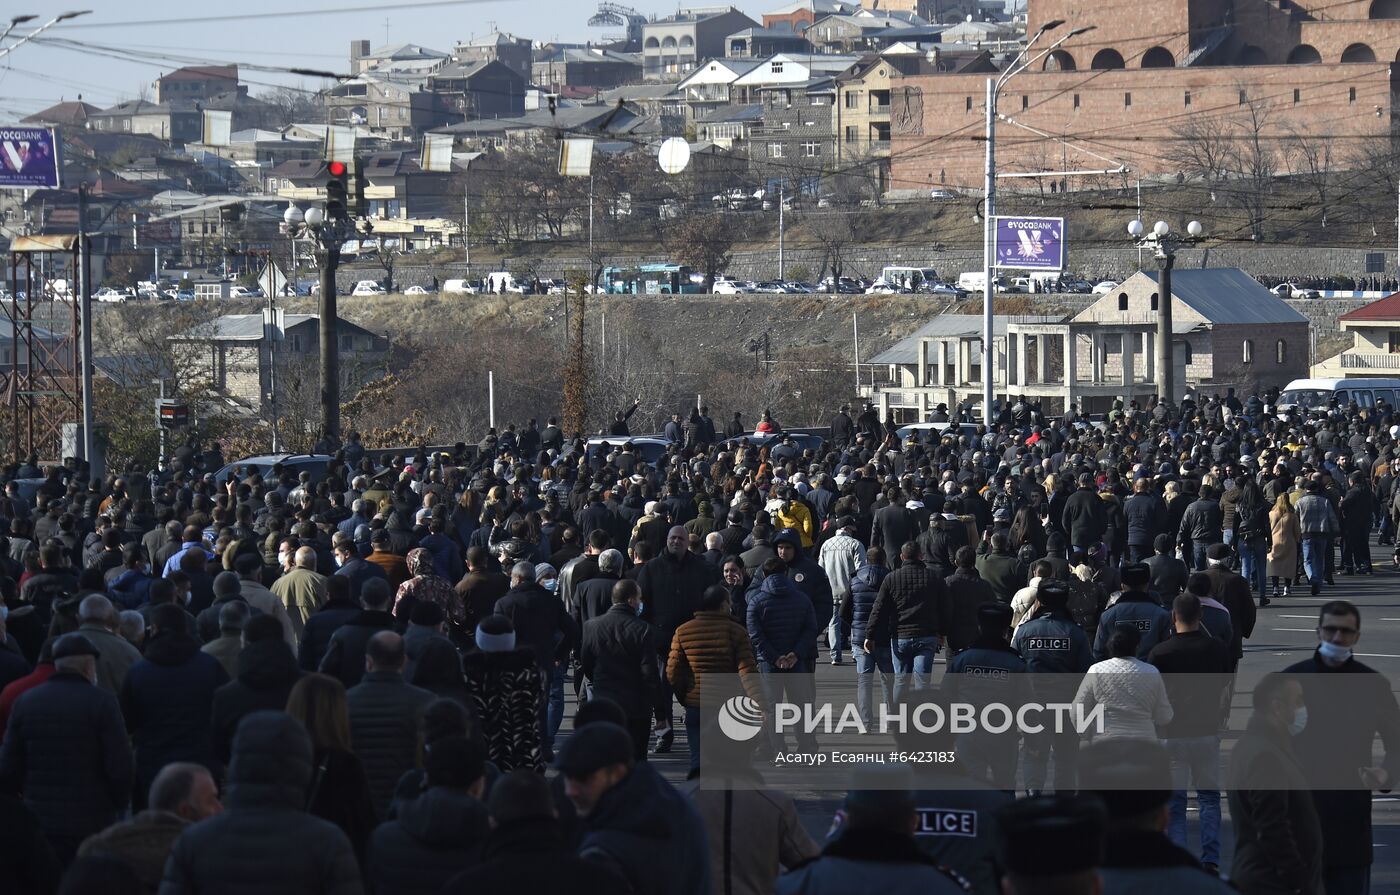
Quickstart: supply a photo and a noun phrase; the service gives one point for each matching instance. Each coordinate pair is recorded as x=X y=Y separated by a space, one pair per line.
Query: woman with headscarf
x=426 y=586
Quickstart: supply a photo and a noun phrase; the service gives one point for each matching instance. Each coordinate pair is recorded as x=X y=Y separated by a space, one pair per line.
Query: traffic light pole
x=332 y=235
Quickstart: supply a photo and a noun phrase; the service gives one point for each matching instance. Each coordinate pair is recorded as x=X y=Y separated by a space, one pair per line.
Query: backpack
x=1253 y=520
x=1086 y=603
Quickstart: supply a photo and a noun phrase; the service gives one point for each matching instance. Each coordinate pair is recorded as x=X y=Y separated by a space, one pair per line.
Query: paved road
x=1285 y=633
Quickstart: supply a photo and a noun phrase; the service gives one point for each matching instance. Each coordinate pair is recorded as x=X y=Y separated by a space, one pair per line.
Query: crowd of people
x=355 y=679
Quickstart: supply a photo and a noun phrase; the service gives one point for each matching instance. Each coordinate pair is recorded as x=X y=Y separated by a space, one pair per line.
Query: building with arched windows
x=676 y=44
x=1276 y=74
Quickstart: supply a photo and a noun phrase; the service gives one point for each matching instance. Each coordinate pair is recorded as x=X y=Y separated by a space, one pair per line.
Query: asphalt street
x=1284 y=634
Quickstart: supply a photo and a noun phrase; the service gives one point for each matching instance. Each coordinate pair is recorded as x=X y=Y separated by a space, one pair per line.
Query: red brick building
x=1221 y=73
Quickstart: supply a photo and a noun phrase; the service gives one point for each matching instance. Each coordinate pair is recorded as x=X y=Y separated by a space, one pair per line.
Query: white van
x=976 y=281
x=1317 y=394
x=459 y=287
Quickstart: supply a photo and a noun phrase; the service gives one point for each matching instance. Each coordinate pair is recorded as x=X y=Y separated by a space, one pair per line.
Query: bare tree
x=704 y=241
x=1311 y=161
x=1252 y=164
x=1205 y=150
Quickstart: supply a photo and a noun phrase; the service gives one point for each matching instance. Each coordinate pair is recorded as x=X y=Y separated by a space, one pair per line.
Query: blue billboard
x=29 y=158
x=1030 y=243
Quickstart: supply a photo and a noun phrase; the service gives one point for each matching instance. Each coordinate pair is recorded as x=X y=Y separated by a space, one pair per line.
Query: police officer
x=1135 y=607
x=1055 y=646
x=987 y=672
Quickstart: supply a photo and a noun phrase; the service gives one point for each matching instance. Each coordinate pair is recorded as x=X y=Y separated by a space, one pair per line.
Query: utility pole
x=84 y=298
x=1164 y=246
x=781 y=229
x=329 y=256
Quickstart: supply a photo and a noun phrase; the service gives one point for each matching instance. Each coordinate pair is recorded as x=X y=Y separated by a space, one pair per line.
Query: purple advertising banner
x=29 y=158
x=1030 y=243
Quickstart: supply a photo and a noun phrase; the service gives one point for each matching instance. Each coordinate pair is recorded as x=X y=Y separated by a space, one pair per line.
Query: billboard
x=1030 y=243
x=29 y=158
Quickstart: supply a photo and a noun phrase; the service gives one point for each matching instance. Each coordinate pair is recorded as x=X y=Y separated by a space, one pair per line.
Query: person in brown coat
x=711 y=643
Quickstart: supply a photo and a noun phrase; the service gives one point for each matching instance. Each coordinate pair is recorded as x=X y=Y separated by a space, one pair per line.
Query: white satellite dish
x=674 y=155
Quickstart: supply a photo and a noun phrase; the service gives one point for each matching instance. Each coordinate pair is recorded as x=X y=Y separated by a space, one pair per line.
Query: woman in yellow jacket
x=795 y=515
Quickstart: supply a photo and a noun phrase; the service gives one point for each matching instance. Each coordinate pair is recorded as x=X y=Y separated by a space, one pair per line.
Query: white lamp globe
x=1195 y=229
x=1161 y=228
x=292 y=216
x=314 y=217
x=1135 y=228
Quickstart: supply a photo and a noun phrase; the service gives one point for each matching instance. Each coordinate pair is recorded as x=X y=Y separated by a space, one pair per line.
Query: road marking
x=1296 y=630
x=1313 y=616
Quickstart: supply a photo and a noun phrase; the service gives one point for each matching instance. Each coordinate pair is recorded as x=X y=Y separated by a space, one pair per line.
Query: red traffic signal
x=336 y=169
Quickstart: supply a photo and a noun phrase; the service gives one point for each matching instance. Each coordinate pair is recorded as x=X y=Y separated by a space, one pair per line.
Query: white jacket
x=1132 y=694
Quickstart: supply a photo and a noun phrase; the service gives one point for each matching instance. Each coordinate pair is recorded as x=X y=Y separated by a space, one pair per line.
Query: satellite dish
x=674 y=155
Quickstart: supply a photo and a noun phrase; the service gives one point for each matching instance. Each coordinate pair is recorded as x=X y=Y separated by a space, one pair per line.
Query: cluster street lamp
x=1164 y=244
x=1020 y=63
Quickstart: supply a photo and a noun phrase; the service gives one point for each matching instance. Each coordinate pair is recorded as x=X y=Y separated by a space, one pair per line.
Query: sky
x=37 y=75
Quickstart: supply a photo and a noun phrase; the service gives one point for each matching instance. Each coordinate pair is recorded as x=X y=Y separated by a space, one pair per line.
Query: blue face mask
x=550 y=584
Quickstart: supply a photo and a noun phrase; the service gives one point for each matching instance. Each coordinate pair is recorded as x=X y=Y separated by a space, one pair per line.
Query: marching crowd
x=353 y=678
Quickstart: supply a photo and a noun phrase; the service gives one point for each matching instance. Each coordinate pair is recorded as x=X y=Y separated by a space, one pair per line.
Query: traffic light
x=337 y=177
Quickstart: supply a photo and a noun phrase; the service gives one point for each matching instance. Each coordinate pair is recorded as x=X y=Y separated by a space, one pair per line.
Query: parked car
x=1293 y=290
x=109 y=294
x=245 y=292
x=415 y=290
x=1105 y=287
x=841 y=286
x=459 y=287
x=731 y=287
x=938 y=288
x=942 y=194
x=295 y=464
x=368 y=287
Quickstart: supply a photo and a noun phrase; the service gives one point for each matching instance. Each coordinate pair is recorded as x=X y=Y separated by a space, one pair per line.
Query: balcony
x=879 y=145
x=1369 y=361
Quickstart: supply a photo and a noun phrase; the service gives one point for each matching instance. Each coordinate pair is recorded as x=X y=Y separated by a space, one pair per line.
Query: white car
x=244 y=292
x=368 y=287
x=1293 y=290
x=729 y=287
x=110 y=294
x=415 y=290
x=1105 y=287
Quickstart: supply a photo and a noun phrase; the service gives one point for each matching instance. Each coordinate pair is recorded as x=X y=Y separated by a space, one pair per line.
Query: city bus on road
x=650 y=279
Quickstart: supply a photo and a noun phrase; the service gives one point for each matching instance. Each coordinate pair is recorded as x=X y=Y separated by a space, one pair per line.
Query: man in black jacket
x=1348 y=705
x=893 y=527
x=267 y=671
x=345 y=654
x=1192 y=736
x=316 y=634
x=1085 y=517
x=672 y=585
x=67 y=751
x=1146 y=516
x=618 y=655
x=1200 y=527
x=919 y=600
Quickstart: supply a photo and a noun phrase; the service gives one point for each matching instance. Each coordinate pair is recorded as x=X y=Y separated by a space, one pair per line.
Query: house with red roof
x=1375 y=348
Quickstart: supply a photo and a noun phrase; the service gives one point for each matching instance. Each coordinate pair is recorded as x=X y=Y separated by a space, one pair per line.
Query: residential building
x=660 y=101
x=165 y=121
x=234 y=354
x=673 y=46
x=729 y=125
x=787 y=70
x=755 y=43
x=515 y=53
x=527 y=129
x=72 y=114
x=387 y=107
x=710 y=86
x=489 y=89
x=558 y=67
x=862 y=33
x=796 y=143
x=196 y=82
x=1375 y=349
x=397 y=188
x=1228 y=331
x=410 y=62
x=800 y=14
x=1246 y=71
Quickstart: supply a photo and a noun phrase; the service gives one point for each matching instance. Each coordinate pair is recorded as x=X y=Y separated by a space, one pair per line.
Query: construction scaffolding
x=40 y=378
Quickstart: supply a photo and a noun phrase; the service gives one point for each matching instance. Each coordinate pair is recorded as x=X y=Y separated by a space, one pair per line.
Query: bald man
x=302 y=590
x=672 y=587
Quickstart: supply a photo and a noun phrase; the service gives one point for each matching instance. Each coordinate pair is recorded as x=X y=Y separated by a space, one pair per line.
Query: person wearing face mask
x=67 y=750
x=618 y=655
x=1348 y=704
x=1278 y=837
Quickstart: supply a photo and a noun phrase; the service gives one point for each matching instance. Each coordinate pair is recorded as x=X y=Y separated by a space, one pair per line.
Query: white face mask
x=1334 y=653
x=282 y=559
x=1300 y=721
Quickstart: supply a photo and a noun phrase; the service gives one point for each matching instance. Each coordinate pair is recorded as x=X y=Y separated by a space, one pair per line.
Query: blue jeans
x=1198 y=555
x=912 y=654
x=867 y=664
x=1227 y=537
x=838 y=636
x=1315 y=549
x=1196 y=762
x=1254 y=561
x=554 y=709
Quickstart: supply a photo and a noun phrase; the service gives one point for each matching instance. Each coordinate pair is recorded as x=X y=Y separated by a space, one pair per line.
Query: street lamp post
x=1020 y=63
x=327 y=232
x=1164 y=246
x=17 y=20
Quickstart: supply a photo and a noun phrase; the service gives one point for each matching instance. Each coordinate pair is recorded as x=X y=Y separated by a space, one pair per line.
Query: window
x=1154 y=301
x=1351 y=94
x=1185 y=352
x=347 y=343
x=777 y=68
x=1025 y=102
x=1127 y=100
x=969 y=104
x=1122 y=301
x=775 y=150
x=1297 y=95
x=1244 y=97
x=809 y=149
x=296 y=344
x=1076 y=100
x=1188 y=97
x=1247 y=352
x=852 y=134
x=1280 y=351
x=818 y=100
x=853 y=99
